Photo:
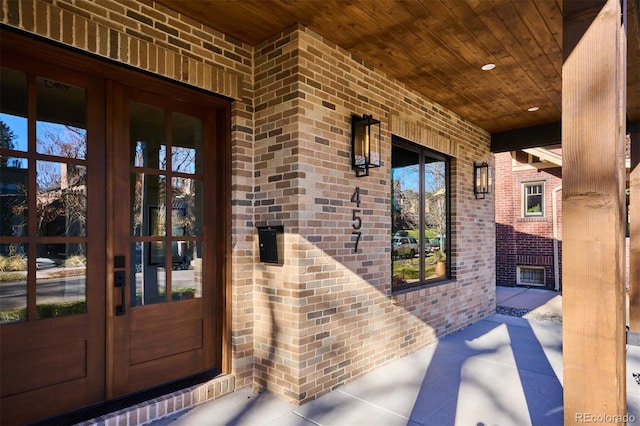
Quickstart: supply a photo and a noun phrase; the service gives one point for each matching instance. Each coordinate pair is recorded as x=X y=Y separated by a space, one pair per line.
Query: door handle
x=119 y=279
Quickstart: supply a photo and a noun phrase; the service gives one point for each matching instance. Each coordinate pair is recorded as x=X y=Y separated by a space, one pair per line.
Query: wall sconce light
x=481 y=179
x=365 y=144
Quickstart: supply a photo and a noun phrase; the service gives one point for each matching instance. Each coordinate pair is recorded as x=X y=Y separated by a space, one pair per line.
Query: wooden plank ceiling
x=436 y=47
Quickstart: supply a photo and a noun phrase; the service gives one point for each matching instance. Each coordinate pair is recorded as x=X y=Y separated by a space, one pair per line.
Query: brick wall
x=326 y=314
x=524 y=241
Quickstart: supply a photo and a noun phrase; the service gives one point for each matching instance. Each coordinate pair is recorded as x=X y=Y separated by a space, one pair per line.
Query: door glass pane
x=13 y=110
x=61 y=126
x=13 y=283
x=149 y=273
x=61 y=199
x=186 y=153
x=147 y=128
x=186 y=202
x=186 y=278
x=405 y=205
x=14 y=178
x=148 y=210
x=61 y=280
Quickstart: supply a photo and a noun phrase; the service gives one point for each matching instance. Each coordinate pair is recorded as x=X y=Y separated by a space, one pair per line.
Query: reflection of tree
x=6 y=136
x=405 y=207
x=61 y=198
x=62 y=141
x=151 y=188
x=13 y=204
x=435 y=197
x=184 y=205
x=6 y=141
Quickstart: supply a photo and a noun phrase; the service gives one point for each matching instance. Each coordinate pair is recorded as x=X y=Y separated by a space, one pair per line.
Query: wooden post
x=634 y=238
x=593 y=130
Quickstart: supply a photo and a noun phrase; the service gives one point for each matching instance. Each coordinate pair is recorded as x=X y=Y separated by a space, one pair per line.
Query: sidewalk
x=530 y=303
x=502 y=370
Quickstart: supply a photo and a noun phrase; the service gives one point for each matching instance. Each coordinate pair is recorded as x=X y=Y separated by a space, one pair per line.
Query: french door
x=113 y=231
x=163 y=248
x=52 y=216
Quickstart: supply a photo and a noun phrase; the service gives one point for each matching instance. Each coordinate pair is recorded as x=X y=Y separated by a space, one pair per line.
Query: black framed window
x=420 y=219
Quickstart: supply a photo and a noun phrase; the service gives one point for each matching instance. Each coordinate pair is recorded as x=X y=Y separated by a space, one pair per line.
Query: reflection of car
x=404 y=247
x=45 y=263
x=433 y=245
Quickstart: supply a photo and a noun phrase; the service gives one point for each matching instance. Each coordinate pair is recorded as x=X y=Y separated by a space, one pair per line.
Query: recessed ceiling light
x=533 y=109
x=488 y=67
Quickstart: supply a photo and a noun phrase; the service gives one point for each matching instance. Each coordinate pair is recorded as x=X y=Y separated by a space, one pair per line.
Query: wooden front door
x=52 y=264
x=113 y=230
x=165 y=238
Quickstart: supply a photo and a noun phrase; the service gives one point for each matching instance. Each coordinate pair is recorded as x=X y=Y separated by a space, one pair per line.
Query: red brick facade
x=526 y=241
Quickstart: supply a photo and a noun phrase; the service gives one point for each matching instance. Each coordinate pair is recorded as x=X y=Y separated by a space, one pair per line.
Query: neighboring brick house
x=528 y=186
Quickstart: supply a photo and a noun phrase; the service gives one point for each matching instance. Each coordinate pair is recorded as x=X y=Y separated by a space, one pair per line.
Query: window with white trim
x=533 y=199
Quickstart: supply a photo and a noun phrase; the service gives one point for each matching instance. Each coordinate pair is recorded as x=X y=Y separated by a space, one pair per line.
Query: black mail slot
x=269 y=237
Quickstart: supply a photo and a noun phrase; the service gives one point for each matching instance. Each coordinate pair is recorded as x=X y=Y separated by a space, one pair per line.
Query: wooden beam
x=545 y=155
x=528 y=137
x=634 y=239
x=593 y=134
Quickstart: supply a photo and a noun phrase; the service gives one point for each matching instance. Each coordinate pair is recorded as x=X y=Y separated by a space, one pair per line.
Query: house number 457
x=357 y=220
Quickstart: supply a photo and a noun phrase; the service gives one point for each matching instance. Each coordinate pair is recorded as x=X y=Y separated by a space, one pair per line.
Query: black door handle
x=119 y=279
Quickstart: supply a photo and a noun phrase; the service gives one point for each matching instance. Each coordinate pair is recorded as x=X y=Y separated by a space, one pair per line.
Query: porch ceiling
x=437 y=47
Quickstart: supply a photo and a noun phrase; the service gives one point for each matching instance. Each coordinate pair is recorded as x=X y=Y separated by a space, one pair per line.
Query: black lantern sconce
x=365 y=144
x=481 y=179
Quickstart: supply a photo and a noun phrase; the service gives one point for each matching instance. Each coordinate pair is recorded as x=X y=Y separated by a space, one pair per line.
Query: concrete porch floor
x=502 y=370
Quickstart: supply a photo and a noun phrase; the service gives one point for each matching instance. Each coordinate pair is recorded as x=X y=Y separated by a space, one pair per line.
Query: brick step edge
x=167 y=405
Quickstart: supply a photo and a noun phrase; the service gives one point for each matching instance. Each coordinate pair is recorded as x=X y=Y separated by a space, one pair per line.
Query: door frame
x=46 y=51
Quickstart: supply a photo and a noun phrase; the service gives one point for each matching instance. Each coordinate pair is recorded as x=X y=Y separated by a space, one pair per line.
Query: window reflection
x=166 y=221
x=14 y=178
x=148 y=210
x=186 y=154
x=186 y=203
x=13 y=110
x=186 y=280
x=59 y=196
x=147 y=136
x=405 y=216
x=148 y=273
x=61 y=199
x=61 y=280
x=13 y=283
x=435 y=217
x=419 y=214
x=61 y=124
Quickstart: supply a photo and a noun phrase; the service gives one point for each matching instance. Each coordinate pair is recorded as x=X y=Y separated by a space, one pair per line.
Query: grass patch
x=182 y=293
x=45 y=310
x=12 y=276
x=13 y=263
